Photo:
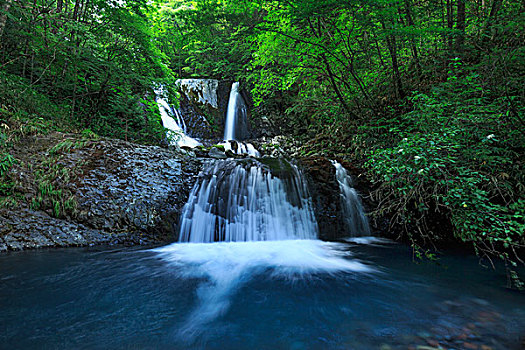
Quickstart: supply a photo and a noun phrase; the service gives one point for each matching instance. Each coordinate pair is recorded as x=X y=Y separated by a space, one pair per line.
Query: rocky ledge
x=74 y=192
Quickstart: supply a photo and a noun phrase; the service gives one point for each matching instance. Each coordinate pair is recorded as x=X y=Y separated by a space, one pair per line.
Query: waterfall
x=353 y=213
x=235 y=127
x=234 y=201
x=231 y=116
x=176 y=126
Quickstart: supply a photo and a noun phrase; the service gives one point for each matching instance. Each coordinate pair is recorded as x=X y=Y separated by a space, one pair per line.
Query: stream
x=296 y=294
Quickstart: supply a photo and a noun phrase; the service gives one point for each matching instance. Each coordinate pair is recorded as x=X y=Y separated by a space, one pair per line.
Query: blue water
x=281 y=295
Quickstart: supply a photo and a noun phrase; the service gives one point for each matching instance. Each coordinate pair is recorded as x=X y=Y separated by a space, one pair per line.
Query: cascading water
x=231 y=116
x=246 y=202
x=235 y=125
x=353 y=213
x=176 y=126
x=244 y=217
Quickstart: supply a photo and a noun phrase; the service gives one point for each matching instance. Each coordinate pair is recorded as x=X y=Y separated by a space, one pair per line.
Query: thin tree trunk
x=496 y=4
x=413 y=47
x=329 y=69
x=391 y=45
x=460 y=25
x=334 y=85
x=450 y=23
x=75 y=10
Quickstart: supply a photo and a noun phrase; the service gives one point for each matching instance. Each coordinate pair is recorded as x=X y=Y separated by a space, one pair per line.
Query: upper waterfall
x=246 y=202
x=234 y=128
x=176 y=126
x=352 y=209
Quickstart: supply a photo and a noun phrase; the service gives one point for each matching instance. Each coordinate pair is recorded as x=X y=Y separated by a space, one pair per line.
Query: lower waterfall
x=245 y=219
x=247 y=202
x=353 y=212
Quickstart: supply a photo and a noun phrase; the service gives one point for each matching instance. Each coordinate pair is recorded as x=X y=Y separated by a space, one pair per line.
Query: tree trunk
x=391 y=45
x=496 y=4
x=75 y=10
x=450 y=23
x=460 y=25
x=413 y=46
x=329 y=69
x=334 y=84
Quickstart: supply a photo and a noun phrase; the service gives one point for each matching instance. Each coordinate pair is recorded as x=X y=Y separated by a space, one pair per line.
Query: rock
x=217 y=153
x=125 y=193
x=203 y=103
x=432 y=342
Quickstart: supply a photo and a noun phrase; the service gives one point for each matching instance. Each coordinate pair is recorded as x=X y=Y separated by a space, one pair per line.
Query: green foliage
x=52 y=177
x=458 y=155
x=83 y=65
x=428 y=97
x=6 y=184
x=6 y=162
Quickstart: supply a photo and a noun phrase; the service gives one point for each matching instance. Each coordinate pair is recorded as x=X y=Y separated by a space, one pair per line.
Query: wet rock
x=125 y=193
x=217 y=153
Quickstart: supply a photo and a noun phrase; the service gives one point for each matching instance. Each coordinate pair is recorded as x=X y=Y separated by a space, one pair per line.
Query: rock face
x=203 y=104
x=125 y=193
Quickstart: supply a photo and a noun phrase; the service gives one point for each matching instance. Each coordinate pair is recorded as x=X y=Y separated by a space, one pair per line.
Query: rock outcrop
x=124 y=193
x=203 y=103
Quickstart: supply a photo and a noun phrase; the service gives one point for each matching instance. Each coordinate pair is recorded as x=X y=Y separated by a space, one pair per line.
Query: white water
x=226 y=267
x=231 y=115
x=233 y=123
x=352 y=209
x=176 y=127
x=242 y=148
x=247 y=203
x=370 y=240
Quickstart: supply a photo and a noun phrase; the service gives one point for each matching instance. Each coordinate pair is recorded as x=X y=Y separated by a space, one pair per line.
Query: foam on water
x=226 y=266
x=242 y=148
x=369 y=240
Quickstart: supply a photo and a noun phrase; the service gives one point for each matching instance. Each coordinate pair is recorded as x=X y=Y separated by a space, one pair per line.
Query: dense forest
x=425 y=96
